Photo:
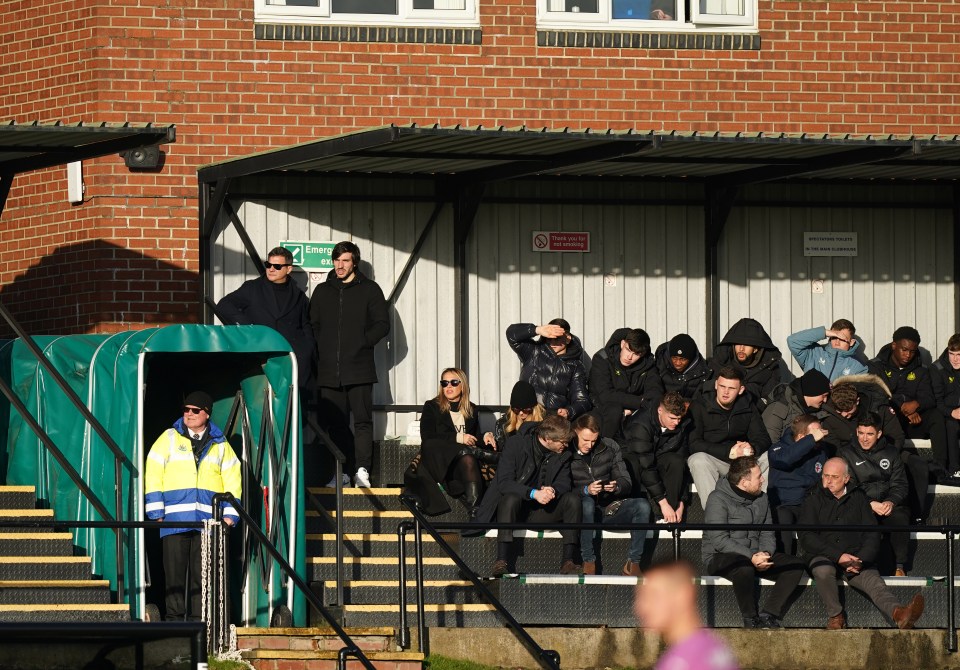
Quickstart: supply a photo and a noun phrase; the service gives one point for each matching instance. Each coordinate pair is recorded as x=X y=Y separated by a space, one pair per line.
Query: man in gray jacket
x=743 y=555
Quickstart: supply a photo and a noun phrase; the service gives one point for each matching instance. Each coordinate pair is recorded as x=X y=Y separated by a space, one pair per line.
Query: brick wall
x=128 y=256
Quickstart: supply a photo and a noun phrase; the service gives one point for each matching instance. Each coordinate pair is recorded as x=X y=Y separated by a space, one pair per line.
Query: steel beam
x=718 y=203
x=415 y=253
x=465 y=208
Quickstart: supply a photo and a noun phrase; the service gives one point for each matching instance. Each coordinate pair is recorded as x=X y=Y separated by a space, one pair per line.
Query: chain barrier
x=221 y=586
x=206 y=561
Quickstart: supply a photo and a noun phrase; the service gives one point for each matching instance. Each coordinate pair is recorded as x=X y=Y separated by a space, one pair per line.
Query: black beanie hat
x=814 y=383
x=683 y=345
x=906 y=333
x=199 y=399
x=523 y=396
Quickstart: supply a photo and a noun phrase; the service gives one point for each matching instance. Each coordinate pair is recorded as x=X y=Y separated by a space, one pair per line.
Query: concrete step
x=359 y=592
x=323 y=568
x=73 y=612
x=435 y=615
x=368 y=544
x=271 y=659
x=358 y=521
x=91 y=591
x=381 y=499
x=314 y=639
x=26 y=516
x=18 y=497
x=36 y=544
x=44 y=567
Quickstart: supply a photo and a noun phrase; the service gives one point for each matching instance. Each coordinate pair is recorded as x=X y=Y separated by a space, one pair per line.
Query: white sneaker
x=362 y=479
x=333 y=481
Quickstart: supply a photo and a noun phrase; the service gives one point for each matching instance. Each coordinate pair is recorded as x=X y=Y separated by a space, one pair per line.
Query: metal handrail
x=350 y=648
x=339 y=460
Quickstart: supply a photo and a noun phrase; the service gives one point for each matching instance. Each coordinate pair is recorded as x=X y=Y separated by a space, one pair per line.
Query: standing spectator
x=274 y=300
x=533 y=483
x=743 y=555
x=948 y=401
x=747 y=348
x=655 y=448
x=349 y=317
x=796 y=462
x=681 y=367
x=604 y=485
x=524 y=412
x=841 y=356
x=875 y=467
x=726 y=426
x=788 y=401
x=186 y=467
x=623 y=379
x=849 y=555
x=552 y=365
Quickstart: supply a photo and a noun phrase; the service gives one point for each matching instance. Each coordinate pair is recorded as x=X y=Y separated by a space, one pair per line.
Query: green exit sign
x=313 y=255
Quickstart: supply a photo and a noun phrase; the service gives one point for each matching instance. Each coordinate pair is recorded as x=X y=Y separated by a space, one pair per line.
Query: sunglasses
x=524 y=410
x=193 y=410
x=276 y=266
x=444 y=383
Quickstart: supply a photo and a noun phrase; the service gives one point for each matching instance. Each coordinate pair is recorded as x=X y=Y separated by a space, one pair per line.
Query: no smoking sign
x=572 y=242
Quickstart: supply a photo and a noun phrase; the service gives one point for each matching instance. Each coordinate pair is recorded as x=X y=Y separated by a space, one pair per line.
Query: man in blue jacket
x=841 y=356
x=796 y=464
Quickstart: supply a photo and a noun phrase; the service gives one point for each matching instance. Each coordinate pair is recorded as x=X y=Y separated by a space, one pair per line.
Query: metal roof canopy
x=461 y=161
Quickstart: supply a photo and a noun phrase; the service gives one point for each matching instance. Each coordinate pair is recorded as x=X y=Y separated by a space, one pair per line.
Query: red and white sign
x=544 y=240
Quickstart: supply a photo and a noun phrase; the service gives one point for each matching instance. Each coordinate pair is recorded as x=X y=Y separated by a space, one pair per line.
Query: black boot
x=471 y=498
x=482 y=455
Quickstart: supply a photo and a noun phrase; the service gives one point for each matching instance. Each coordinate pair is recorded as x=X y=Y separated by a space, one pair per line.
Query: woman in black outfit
x=450 y=449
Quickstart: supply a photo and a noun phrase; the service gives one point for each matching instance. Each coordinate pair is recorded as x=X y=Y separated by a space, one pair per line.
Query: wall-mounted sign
x=313 y=255
x=829 y=244
x=544 y=240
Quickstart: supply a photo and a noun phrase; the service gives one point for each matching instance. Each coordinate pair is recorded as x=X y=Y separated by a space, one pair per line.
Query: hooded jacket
x=604 y=463
x=786 y=404
x=348 y=320
x=766 y=370
x=834 y=363
x=716 y=430
x=688 y=383
x=914 y=382
x=645 y=442
x=874 y=397
x=634 y=387
x=821 y=507
x=879 y=472
x=795 y=466
x=560 y=381
x=726 y=506
x=947 y=384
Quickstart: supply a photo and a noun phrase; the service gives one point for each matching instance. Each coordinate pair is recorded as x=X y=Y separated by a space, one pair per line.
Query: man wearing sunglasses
x=187 y=465
x=274 y=300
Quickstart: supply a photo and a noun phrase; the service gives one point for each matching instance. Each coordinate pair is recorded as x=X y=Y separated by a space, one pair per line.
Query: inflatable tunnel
x=134 y=384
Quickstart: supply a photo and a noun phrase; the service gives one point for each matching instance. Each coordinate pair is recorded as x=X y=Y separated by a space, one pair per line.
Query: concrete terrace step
x=368 y=544
x=36 y=544
x=435 y=614
x=323 y=568
x=32 y=567
x=60 y=612
x=318 y=648
x=45 y=592
x=26 y=516
x=269 y=659
x=18 y=497
x=359 y=521
x=365 y=592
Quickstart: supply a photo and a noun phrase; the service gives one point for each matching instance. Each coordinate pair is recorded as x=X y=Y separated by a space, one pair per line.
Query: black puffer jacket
x=879 y=472
x=348 y=321
x=947 y=384
x=913 y=382
x=611 y=383
x=603 y=463
x=874 y=397
x=645 y=441
x=821 y=507
x=716 y=430
x=560 y=381
x=767 y=369
x=688 y=383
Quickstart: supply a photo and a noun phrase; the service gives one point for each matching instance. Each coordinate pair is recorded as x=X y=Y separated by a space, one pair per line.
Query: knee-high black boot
x=471 y=498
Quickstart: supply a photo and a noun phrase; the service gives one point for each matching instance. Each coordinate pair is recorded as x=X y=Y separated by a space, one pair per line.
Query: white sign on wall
x=829 y=244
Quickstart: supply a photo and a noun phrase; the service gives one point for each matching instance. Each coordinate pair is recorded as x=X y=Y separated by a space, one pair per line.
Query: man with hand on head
x=841 y=356
x=553 y=365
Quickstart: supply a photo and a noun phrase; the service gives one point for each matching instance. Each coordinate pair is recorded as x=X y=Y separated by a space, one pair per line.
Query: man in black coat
x=349 y=317
x=533 y=483
x=274 y=300
x=851 y=554
x=946 y=370
x=681 y=367
x=623 y=379
x=748 y=348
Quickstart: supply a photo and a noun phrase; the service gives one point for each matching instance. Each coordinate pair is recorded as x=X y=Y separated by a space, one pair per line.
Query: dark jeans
x=632 y=510
x=787 y=571
x=334 y=408
x=181 y=565
x=787 y=538
x=900 y=516
x=564 y=509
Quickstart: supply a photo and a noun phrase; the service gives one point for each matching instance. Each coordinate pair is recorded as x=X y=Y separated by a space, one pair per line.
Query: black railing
x=339 y=460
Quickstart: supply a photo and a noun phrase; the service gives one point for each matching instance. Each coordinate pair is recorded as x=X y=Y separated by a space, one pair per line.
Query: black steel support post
x=466 y=205
x=956 y=254
x=403 y=528
x=951 y=593
x=210 y=201
x=718 y=202
x=422 y=640
x=6 y=181
x=675 y=532
x=415 y=253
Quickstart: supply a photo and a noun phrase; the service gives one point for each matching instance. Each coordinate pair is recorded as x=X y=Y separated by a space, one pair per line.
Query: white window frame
x=406 y=15
x=602 y=20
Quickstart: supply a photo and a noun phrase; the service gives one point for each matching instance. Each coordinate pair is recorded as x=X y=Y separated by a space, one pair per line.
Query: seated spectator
x=948 y=401
x=524 y=412
x=744 y=555
x=726 y=426
x=681 y=367
x=796 y=461
x=450 y=449
x=552 y=365
x=533 y=483
x=655 y=448
x=604 y=485
x=747 y=348
x=849 y=555
x=874 y=465
x=623 y=378
x=805 y=395
x=841 y=356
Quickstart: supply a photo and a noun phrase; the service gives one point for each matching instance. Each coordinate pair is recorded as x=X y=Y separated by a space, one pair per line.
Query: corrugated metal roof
x=500 y=153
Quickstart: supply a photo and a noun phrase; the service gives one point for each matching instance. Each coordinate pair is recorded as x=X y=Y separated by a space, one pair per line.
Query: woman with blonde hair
x=524 y=409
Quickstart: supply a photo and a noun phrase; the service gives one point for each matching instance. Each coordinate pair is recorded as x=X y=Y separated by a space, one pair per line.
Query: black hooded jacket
x=767 y=369
x=688 y=383
x=560 y=381
x=348 y=321
x=946 y=384
x=645 y=441
x=716 y=430
x=914 y=382
x=634 y=387
x=786 y=403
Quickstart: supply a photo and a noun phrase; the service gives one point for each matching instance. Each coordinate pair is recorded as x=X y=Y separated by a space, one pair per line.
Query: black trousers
x=787 y=571
x=932 y=426
x=611 y=419
x=672 y=468
x=900 y=516
x=918 y=479
x=334 y=408
x=564 y=509
x=181 y=568
x=952 y=429
x=787 y=538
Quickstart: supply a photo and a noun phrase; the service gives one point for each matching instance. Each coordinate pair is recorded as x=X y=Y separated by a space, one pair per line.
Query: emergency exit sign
x=313 y=255
x=545 y=240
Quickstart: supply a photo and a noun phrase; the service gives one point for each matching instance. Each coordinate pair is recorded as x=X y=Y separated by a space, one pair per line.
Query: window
x=652 y=15
x=369 y=12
